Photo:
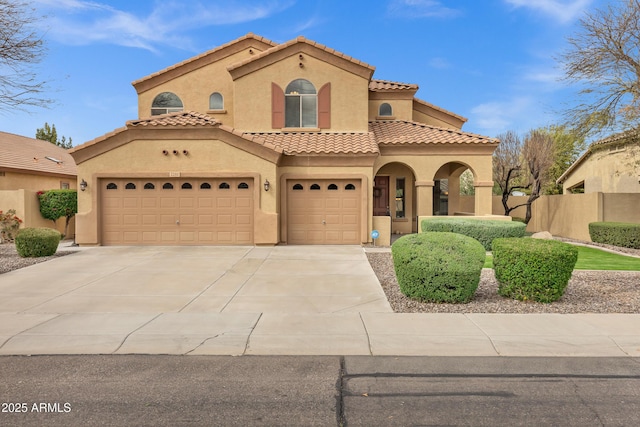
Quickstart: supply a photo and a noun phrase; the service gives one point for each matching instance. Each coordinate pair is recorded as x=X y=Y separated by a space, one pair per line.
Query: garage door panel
x=128 y=219
x=176 y=215
x=350 y=203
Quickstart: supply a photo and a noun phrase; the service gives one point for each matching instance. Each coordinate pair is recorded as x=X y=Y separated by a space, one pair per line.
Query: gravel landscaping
x=10 y=260
x=587 y=292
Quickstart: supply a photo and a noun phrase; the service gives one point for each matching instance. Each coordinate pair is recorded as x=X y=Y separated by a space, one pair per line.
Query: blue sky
x=492 y=61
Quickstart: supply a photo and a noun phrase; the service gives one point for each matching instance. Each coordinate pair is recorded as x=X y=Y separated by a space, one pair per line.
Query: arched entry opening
x=394 y=195
x=453 y=191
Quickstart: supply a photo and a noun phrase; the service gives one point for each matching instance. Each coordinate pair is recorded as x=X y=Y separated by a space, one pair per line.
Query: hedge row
x=37 y=242
x=484 y=231
x=626 y=235
x=438 y=267
x=533 y=269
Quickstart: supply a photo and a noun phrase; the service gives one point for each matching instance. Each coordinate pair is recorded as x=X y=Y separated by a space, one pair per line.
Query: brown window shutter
x=324 y=106
x=277 y=107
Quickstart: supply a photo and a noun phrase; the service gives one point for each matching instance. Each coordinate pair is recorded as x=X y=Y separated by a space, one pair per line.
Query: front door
x=381 y=196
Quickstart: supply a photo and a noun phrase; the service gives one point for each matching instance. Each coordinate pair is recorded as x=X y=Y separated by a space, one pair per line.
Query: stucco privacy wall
x=27 y=207
x=206 y=158
x=349 y=93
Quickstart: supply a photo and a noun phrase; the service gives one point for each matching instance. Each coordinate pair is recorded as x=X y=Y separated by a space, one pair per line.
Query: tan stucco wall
x=430 y=120
x=349 y=94
x=145 y=158
x=194 y=88
x=27 y=207
x=608 y=170
x=27 y=181
x=402 y=109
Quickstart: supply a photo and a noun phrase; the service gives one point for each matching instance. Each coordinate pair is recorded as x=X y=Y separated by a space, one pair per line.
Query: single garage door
x=324 y=212
x=177 y=211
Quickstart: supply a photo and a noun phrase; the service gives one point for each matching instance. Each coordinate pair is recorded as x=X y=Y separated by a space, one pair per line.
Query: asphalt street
x=318 y=391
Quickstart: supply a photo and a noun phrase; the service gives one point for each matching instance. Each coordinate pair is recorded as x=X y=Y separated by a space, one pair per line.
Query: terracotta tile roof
x=385 y=85
x=28 y=154
x=300 y=39
x=398 y=132
x=301 y=143
x=207 y=53
x=182 y=118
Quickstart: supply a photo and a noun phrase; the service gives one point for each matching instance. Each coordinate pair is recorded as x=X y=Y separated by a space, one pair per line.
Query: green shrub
x=438 y=267
x=37 y=242
x=482 y=230
x=626 y=235
x=56 y=204
x=533 y=269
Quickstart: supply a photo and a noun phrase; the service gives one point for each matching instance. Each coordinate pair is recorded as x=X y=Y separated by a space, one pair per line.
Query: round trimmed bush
x=438 y=267
x=483 y=230
x=37 y=242
x=533 y=269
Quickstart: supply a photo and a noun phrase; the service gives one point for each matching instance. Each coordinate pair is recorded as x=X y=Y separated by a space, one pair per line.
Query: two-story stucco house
x=255 y=142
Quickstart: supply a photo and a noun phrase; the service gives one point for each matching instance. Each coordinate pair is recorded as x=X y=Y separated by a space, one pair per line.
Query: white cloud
x=562 y=10
x=421 y=9
x=439 y=63
x=499 y=116
x=81 y=22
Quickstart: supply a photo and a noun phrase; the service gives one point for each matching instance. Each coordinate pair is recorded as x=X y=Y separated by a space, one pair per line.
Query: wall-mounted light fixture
x=267 y=185
x=83 y=185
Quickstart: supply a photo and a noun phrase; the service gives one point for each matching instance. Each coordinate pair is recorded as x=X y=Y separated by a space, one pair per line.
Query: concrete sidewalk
x=288 y=300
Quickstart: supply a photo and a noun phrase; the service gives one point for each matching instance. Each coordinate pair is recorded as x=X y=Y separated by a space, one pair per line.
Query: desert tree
x=522 y=164
x=603 y=58
x=508 y=167
x=568 y=145
x=49 y=133
x=21 y=48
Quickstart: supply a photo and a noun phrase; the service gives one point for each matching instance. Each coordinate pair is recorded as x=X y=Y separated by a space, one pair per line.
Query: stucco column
x=484 y=194
x=424 y=193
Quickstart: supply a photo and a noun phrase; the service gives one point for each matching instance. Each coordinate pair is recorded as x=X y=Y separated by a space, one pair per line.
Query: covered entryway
x=159 y=211
x=324 y=211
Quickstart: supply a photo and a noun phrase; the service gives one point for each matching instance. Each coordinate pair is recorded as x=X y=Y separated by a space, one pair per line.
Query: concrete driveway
x=172 y=299
x=285 y=300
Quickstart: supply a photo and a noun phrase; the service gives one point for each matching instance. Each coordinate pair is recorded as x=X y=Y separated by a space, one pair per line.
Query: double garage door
x=324 y=212
x=177 y=211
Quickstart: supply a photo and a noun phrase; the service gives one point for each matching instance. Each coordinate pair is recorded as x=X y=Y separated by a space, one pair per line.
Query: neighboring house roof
x=622 y=138
x=29 y=155
x=401 y=132
x=385 y=85
x=202 y=60
x=318 y=143
x=276 y=53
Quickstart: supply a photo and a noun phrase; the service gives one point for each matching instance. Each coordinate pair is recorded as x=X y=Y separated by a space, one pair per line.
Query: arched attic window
x=385 y=110
x=166 y=102
x=216 y=101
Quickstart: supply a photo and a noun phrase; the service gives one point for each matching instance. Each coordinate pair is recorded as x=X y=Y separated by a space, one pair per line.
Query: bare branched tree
x=538 y=152
x=604 y=57
x=508 y=167
x=523 y=165
x=21 y=47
